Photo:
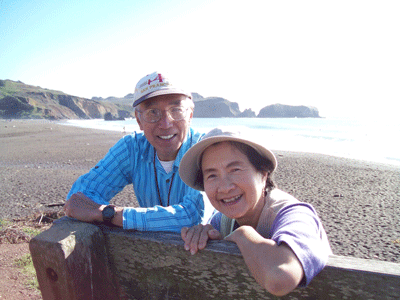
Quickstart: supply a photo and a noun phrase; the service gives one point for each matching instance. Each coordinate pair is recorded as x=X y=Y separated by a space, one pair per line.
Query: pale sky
x=339 y=56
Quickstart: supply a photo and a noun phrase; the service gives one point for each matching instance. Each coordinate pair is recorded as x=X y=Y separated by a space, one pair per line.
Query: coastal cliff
x=19 y=100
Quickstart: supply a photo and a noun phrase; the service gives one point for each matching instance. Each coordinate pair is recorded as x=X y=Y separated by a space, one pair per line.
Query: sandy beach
x=358 y=202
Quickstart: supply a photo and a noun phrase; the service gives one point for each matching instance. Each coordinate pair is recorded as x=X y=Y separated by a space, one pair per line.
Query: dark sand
x=358 y=202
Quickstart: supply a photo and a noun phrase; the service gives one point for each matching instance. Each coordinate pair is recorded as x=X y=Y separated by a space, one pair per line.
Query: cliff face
x=18 y=100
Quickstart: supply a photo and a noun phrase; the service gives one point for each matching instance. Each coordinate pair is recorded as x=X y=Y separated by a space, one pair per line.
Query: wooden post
x=76 y=260
x=71 y=262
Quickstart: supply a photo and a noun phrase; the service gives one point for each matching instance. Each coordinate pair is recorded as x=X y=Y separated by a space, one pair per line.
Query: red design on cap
x=158 y=77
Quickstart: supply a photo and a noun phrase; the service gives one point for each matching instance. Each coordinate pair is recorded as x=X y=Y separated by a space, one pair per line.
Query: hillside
x=19 y=100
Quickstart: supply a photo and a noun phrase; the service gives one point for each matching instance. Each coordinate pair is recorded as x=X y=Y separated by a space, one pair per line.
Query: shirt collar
x=187 y=143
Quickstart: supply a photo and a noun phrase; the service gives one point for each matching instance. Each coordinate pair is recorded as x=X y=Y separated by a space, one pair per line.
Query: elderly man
x=149 y=160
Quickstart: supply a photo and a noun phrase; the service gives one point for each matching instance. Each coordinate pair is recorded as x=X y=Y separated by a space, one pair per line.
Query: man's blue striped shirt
x=131 y=161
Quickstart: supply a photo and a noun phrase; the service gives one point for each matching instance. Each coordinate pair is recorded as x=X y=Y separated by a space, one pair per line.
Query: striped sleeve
x=160 y=218
x=108 y=177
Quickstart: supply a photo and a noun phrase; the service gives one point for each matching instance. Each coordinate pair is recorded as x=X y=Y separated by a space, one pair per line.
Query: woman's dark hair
x=260 y=163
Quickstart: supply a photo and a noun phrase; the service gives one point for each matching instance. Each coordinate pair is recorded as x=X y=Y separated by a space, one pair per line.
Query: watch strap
x=108 y=214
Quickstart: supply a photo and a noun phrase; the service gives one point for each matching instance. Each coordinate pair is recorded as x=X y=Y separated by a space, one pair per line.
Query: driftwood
x=76 y=260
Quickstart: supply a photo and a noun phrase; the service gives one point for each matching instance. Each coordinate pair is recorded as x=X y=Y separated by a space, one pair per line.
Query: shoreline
x=357 y=201
x=117 y=126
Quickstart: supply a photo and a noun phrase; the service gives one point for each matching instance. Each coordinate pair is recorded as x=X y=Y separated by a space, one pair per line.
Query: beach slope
x=358 y=202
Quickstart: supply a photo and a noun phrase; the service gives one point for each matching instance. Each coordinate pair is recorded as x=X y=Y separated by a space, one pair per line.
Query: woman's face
x=233 y=185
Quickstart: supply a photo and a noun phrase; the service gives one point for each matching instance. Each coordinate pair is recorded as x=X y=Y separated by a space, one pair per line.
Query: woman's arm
x=275 y=268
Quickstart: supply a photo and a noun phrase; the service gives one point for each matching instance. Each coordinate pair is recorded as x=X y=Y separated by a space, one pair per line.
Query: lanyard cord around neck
x=158 y=188
x=172 y=179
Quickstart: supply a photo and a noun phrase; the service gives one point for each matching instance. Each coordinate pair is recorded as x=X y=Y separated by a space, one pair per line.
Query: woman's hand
x=196 y=237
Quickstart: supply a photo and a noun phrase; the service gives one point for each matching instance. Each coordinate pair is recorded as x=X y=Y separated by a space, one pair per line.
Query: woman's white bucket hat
x=189 y=167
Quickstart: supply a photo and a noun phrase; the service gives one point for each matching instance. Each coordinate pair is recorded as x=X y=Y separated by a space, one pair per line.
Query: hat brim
x=161 y=92
x=189 y=167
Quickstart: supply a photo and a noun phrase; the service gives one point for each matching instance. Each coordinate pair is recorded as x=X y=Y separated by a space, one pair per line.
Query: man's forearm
x=80 y=207
x=85 y=209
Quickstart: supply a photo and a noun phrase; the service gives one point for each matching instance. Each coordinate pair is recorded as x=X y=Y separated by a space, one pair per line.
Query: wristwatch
x=108 y=214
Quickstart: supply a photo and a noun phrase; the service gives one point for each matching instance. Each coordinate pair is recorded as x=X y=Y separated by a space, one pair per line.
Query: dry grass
x=23 y=230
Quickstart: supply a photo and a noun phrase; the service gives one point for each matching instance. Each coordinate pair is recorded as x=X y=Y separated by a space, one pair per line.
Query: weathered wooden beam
x=356 y=278
x=153 y=265
x=71 y=262
x=75 y=260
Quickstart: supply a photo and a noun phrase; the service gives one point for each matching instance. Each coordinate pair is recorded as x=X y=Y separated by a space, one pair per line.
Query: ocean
x=366 y=140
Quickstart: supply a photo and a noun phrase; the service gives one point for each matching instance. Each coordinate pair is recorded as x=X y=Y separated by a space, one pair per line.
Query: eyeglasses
x=153 y=115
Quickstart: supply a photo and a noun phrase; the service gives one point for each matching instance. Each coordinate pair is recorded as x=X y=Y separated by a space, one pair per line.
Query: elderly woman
x=282 y=240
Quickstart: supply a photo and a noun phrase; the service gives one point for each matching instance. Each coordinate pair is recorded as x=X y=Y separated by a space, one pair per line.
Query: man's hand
x=83 y=208
x=196 y=237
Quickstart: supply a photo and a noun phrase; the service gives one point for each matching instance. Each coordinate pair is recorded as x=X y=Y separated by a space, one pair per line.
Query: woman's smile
x=232 y=200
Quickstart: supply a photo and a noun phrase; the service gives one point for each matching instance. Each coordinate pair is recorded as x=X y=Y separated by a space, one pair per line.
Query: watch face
x=108 y=213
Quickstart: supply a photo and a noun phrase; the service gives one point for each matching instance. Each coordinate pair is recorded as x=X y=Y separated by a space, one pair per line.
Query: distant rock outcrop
x=214 y=107
x=197 y=97
x=109 y=117
x=287 y=111
x=247 y=113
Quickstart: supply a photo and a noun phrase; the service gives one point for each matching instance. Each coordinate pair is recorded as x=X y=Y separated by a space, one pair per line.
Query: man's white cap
x=189 y=167
x=153 y=85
